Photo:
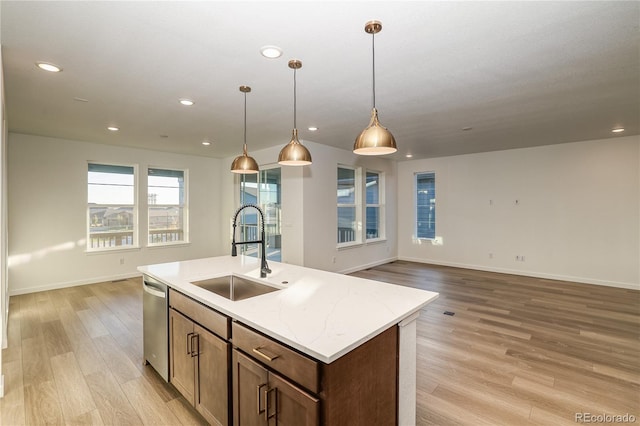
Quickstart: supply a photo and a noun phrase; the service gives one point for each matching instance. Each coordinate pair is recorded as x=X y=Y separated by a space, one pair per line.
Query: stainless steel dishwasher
x=155 y=314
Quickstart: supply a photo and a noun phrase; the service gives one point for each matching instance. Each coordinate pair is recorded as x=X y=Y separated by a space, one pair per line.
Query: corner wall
x=572 y=210
x=309 y=215
x=47 y=212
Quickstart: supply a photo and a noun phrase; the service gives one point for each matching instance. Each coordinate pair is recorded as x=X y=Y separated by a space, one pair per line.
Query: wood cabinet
x=263 y=398
x=234 y=374
x=199 y=365
x=276 y=385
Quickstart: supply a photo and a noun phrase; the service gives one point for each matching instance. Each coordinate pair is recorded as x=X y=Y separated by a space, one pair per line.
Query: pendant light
x=294 y=153
x=375 y=139
x=243 y=163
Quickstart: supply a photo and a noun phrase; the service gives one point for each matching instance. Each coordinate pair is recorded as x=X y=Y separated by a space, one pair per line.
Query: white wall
x=577 y=215
x=4 y=299
x=309 y=213
x=47 y=212
x=320 y=212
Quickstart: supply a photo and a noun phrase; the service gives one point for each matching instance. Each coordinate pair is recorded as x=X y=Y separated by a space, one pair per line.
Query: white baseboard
x=55 y=286
x=1 y=385
x=583 y=280
x=367 y=266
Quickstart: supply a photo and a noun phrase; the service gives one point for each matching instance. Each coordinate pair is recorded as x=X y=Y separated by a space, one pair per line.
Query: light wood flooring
x=521 y=350
x=517 y=351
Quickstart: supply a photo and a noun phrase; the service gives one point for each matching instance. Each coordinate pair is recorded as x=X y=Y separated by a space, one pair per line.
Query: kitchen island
x=327 y=320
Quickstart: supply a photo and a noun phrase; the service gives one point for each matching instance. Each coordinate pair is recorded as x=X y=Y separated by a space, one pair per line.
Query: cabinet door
x=212 y=378
x=292 y=406
x=249 y=387
x=182 y=361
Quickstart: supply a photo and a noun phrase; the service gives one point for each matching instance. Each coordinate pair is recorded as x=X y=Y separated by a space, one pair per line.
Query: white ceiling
x=519 y=73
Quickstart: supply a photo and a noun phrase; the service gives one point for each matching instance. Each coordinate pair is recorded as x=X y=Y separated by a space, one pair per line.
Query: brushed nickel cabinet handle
x=258 y=397
x=259 y=350
x=267 y=416
x=196 y=352
x=189 y=344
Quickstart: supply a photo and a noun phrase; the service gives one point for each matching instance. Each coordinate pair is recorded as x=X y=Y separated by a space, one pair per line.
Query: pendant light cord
x=373 y=48
x=245 y=119
x=294 y=99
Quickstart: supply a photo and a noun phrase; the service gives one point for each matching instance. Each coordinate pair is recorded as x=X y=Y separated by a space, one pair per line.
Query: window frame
x=135 y=211
x=416 y=206
x=239 y=180
x=357 y=204
x=380 y=205
x=185 y=209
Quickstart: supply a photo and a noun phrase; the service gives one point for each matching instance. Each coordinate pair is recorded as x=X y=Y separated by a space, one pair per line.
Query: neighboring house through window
x=168 y=210
x=426 y=205
x=112 y=213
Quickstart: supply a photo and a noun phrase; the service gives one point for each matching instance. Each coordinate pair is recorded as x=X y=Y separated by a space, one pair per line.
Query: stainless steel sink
x=233 y=287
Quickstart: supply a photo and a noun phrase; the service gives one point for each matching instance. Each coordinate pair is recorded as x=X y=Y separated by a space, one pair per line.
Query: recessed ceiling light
x=206 y=143
x=80 y=99
x=271 y=52
x=467 y=128
x=113 y=128
x=186 y=102
x=313 y=129
x=409 y=155
x=164 y=136
x=46 y=66
x=618 y=130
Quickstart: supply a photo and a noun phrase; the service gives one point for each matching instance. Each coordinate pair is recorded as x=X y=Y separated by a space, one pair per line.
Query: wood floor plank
x=118 y=362
x=12 y=410
x=83 y=347
x=113 y=405
x=93 y=325
x=73 y=392
x=42 y=405
x=147 y=404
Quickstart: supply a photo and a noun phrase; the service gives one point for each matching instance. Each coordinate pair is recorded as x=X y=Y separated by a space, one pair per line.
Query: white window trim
x=358 y=206
x=415 y=207
x=382 y=234
x=185 y=212
x=136 y=206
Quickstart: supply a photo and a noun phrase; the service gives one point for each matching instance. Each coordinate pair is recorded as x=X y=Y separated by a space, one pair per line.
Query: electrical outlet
x=333 y=259
x=122 y=260
x=490 y=255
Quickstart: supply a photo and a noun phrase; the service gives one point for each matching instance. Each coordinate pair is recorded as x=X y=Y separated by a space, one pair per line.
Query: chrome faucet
x=264 y=267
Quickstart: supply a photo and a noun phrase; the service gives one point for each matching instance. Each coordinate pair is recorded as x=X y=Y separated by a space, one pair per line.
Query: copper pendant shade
x=243 y=163
x=375 y=139
x=294 y=153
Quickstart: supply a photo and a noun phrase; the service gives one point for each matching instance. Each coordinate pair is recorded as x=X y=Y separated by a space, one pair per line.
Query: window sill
x=164 y=245
x=107 y=250
x=344 y=246
x=376 y=241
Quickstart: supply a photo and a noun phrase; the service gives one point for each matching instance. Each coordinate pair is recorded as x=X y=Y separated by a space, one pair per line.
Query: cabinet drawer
x=200 y=313
x=275 y=355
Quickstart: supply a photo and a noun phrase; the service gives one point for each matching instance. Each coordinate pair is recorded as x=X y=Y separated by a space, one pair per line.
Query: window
x=426 y=205
x=265 y=190
x=167 y=215
x=349 y=203
x=112 y=214
x=374 y=206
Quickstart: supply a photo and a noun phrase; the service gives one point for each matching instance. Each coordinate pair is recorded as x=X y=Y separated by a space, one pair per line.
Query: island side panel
x=361 y=387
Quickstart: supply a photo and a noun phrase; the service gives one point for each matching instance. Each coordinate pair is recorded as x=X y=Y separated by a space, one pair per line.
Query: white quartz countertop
x=322 y=314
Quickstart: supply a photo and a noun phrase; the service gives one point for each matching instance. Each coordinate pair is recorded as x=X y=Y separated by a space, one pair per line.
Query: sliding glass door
x=265 y=190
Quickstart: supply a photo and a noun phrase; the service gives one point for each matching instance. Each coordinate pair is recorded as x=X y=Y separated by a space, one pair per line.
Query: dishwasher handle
x=153 y=290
